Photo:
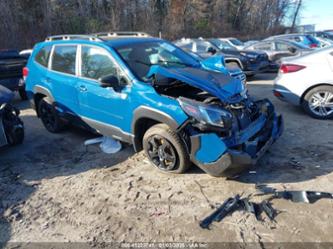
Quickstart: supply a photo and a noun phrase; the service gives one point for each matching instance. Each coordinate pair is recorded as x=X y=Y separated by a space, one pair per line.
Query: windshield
x=141 y=56
x=236 y=42
x=222 y=44
x=312 y=39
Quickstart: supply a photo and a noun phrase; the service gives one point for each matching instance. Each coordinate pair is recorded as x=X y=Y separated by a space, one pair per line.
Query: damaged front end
x=253 y=127
x=226 y=129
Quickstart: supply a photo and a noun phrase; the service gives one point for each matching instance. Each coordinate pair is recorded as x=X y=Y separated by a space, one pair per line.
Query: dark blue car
x=147 y=92
x=11 y=126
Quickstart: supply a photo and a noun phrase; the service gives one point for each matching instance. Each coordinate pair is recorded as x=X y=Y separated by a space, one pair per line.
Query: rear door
x=104 y=109
x=62 y=78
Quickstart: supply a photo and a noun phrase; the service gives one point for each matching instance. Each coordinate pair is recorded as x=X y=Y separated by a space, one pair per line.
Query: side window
x=96 y=63
x=282 y=46
x=64 y=59
x=43 y=56
x=263 y=46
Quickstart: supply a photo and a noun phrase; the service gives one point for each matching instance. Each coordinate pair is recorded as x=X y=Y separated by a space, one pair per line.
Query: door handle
x=83 y=88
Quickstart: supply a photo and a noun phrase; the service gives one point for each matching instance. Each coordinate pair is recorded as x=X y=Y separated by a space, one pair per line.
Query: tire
x=13 y=126
x=318 y=102
x=165 y=150
x=15 y=136
x=23 y=94
x=49 y=116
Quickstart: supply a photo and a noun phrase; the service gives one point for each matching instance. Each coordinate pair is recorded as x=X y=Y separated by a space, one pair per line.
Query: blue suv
x=147 y=92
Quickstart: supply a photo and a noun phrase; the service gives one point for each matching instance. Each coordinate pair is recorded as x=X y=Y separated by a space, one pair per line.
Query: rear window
x=236 y=42
x=64 y=58
x=311 y=39
x=43 y=56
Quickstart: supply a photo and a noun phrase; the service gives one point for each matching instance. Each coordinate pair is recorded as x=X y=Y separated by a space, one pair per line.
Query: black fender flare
x=144 y=113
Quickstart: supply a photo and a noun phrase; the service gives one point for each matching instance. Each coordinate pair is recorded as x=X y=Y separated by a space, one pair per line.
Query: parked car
x=233 y=42
x=149 y=93
x=11 y=66
x=322 y=34
x=304 y=39
x=276 y=49
x=308 y=81
x=250 y=62
x=11 y=126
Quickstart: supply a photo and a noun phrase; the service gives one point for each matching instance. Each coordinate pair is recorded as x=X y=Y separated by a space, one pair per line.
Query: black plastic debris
x=233 y=204
x=229 y=206
x=236 y=204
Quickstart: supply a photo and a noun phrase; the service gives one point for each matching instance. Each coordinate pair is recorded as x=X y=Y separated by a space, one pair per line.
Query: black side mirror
x=292 y=50
x=109 y=81
x=211 y=50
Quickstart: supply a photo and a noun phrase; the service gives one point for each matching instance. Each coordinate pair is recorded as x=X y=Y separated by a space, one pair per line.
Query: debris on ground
x=107 y=144
x=236 y=203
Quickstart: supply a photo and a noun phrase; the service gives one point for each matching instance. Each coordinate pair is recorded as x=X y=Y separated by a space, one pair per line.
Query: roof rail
x=73 y=37
x=122 y=33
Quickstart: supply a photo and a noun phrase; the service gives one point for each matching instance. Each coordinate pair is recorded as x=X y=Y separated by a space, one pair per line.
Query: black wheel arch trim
x=145 y=112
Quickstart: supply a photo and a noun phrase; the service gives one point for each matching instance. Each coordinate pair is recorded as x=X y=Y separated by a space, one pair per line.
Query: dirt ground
x=53 y=189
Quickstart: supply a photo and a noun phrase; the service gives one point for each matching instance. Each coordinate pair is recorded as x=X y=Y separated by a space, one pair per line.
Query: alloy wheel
x=321 y=103
x=162 y=153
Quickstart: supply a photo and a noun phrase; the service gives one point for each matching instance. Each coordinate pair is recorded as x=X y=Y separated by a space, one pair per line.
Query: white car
x=324 y=42
x=234 y=42
x=308 y=81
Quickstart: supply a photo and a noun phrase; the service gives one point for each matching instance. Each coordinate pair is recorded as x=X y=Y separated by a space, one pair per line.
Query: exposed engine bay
x=243 y=113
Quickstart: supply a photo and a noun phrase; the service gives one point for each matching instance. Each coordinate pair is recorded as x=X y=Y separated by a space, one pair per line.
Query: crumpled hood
x=6 y=95
x=224 y=87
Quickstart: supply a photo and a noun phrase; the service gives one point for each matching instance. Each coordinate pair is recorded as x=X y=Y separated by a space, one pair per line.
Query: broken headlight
x=207 y=114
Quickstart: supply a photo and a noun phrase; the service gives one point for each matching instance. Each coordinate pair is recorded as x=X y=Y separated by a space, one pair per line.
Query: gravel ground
x=53 y=189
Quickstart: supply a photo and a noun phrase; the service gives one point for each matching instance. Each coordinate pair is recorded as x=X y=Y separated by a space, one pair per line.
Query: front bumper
x=256 y=68
x=213 y=155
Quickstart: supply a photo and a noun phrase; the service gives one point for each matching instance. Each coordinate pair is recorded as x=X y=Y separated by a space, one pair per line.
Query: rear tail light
x=25 y=72
x=277 y=94
x=313 y=45
x=290 y=68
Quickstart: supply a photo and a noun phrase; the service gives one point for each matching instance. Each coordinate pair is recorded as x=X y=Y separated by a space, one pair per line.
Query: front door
x=105 y=109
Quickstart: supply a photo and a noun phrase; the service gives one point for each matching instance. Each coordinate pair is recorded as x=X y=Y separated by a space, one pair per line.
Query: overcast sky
x=319 y=12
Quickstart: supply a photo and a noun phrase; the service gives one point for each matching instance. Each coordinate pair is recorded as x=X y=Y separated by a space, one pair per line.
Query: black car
x=11 y=71
x=11 y=126
x=250 y=62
